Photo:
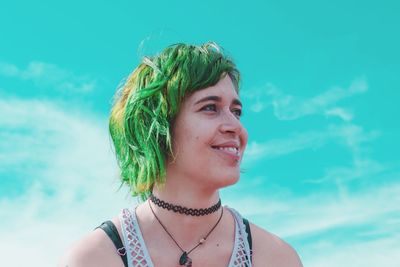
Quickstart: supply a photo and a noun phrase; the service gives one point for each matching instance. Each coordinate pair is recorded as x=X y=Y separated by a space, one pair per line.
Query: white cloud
x=72 y=176
x=49 y=75
x=349 y=135
x=353 y=136
x=279 y=147
x=302 y=216
x=381 y=252
x=8 y=69
x=342 y=113
x=258 y=106
x=360 y=169
x=331 y=229
x=289 y=107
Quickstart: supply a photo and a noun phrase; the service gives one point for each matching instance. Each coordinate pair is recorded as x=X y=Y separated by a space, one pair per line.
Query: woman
x=178 y=139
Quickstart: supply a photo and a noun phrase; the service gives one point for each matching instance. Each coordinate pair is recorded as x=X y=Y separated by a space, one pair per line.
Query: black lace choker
x=184 y=210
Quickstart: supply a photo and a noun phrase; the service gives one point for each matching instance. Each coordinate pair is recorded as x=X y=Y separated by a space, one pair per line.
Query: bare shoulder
x=270 y=250
x=95 y=249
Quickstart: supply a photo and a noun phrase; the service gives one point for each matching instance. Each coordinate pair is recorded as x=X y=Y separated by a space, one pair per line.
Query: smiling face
x=208 y=137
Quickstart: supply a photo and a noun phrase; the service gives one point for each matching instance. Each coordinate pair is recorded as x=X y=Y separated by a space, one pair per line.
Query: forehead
x=223 y=89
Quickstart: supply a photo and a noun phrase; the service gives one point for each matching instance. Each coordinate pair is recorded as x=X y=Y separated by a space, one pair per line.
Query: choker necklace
x=184 y=258
x=184 y=210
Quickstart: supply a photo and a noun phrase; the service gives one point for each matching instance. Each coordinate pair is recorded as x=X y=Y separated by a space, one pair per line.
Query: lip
x=228 y=154
x=231 y=155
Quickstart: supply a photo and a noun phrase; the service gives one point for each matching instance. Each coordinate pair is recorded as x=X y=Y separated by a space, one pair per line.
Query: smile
x=228 y=152
x=228 y=149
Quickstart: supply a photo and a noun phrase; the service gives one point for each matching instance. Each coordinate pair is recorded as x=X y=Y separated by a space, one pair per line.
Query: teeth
x=231 y=149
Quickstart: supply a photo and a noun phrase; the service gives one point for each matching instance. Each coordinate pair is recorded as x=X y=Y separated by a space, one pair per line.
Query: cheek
x=245 y=136
x=194 y=142
x=188 y=141
x=193 y=135
x=196 y=132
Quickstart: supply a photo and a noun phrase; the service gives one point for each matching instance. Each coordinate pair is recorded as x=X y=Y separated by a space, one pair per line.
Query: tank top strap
x=136 y=251
x=241 y=254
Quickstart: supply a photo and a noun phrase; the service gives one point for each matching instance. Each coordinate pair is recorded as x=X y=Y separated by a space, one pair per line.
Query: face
x=208 y=137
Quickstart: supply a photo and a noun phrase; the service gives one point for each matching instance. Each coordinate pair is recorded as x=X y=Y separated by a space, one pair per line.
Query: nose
x=230 y=123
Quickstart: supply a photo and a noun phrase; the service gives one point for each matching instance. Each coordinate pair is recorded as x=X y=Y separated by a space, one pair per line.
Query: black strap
x=248 y=231
x=112 y=232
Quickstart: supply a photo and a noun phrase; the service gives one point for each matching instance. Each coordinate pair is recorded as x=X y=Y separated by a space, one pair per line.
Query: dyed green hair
x=146 y=105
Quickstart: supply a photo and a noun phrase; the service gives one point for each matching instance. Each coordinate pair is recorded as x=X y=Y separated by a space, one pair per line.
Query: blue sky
x=320 y=91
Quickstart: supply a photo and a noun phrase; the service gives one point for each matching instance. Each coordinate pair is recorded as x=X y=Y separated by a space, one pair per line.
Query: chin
x=228 y=180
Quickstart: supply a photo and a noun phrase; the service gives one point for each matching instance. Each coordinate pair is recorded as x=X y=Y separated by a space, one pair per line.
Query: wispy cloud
x=280 y=147
x=323 y=211
x=349 y=135
x=360 y=168
x=376 y=252
x=342 y=113
x=290 y=107
x=65 y=157
x=366 y=219
x=49 y=75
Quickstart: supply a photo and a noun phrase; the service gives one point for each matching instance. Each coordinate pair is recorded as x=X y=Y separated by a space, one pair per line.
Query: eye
x=237 y=112
x=210 y=107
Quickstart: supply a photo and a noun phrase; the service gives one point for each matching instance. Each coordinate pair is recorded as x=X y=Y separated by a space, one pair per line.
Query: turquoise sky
x=320 y=88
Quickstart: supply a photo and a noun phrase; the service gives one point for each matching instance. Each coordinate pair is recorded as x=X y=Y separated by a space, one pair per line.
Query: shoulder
x=95 y=249
x=268 y=248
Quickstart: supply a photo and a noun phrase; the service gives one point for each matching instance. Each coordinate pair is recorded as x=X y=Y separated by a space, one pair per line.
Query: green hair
x=147 y=103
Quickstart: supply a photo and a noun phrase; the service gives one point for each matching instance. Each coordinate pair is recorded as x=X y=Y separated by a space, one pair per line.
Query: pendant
x=185 y=260
x=189 y=263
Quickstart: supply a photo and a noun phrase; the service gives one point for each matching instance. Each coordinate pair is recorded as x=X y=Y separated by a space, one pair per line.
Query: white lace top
x=138 y=255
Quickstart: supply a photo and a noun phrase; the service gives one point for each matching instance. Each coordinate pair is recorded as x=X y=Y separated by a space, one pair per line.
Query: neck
x=190 y=192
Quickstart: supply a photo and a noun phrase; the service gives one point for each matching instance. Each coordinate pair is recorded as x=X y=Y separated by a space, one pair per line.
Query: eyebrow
x=217 y=99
